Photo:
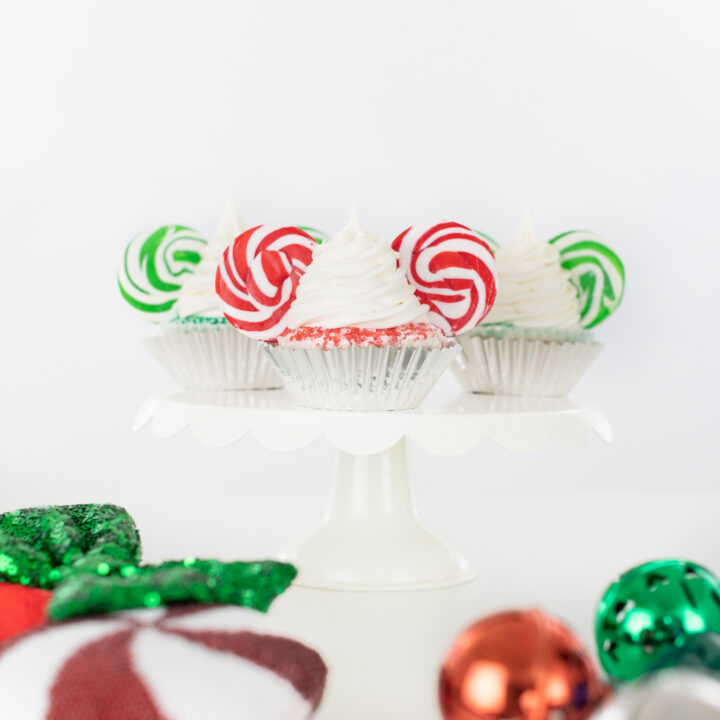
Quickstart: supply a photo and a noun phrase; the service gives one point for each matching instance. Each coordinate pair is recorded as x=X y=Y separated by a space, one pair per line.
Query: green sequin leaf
x=46 y=545
x=254 y=585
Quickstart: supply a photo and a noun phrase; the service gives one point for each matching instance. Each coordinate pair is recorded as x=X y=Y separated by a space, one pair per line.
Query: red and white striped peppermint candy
x=182 y=663
x=258 y=275
x=452 y=270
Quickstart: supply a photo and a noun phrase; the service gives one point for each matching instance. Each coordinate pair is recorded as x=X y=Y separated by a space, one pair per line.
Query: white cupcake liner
x=213 y=358
x=561 y=334
x=361 y=378
x=522 y=366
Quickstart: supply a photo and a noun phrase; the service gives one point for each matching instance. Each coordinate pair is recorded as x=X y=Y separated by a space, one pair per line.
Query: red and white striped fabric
x=190 y=663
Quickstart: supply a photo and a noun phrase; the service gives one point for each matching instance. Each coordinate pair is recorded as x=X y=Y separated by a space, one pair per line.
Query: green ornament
x=701 y=652
x=654 y=613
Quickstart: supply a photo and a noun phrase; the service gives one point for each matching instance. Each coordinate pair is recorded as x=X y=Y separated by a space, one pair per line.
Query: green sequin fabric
x=44 y=546
x=89 y=555
x=253 y=584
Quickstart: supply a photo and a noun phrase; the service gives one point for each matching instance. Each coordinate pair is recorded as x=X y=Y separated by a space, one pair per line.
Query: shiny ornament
x=258 y=275
x=675 y=694
x=452 y=269
x=21 y=609
x=699 y=651
x=651 y=613
x=518 y=666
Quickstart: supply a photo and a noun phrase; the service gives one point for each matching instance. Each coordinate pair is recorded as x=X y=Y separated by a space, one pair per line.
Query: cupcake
x=536 y=339
x=343 y=322
x=169 y=276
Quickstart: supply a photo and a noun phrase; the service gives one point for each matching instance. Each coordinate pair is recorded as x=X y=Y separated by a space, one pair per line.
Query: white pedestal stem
x=371 y=538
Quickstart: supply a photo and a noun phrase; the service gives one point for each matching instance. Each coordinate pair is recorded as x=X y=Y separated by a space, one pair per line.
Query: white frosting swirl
x=533 y=289
x=354 y=281
x=197 y=296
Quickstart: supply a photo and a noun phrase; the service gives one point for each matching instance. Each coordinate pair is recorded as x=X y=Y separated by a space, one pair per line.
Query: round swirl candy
x=653 y=612
x=452 y=269
x=154 y=266
x=596 y=271
x=494 y=246
x=257 y=278
x=317 y=235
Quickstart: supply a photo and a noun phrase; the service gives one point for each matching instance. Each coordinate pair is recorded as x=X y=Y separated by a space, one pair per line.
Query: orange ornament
x=519 y=666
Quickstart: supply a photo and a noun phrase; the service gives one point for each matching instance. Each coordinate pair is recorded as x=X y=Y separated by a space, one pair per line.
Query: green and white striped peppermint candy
x=314 y=233
x=596 y=271
x=154 y=266
x=493 y=245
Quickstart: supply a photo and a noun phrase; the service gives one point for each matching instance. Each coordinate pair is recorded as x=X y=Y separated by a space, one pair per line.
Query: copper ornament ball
x=522 y=665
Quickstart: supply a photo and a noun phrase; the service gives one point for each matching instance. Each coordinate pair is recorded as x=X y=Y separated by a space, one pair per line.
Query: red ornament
x=518 y=666
x=258 y=275
x=452 y=270
x=21 y=608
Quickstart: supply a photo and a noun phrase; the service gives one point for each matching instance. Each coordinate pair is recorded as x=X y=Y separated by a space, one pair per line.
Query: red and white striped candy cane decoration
x=258 y=275
x=452 y=270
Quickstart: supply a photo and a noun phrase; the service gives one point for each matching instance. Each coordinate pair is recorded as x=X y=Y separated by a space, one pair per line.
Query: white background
x=605 y=115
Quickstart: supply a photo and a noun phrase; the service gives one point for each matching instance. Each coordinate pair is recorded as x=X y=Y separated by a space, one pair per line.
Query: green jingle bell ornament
x=653 y=612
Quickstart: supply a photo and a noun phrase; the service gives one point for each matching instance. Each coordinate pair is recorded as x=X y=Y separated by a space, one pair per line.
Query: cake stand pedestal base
x=371 y=539
x=384 y=649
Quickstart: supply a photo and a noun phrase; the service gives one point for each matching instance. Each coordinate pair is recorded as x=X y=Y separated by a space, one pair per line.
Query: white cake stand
x=371 y=539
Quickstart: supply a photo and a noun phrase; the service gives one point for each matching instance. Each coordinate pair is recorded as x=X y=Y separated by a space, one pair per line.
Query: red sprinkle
x=326 y=338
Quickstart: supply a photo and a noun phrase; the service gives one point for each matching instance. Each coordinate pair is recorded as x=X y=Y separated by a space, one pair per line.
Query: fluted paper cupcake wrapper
x=550 y=334
x=522 y=366
x=361 y=378
x=217 y=358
